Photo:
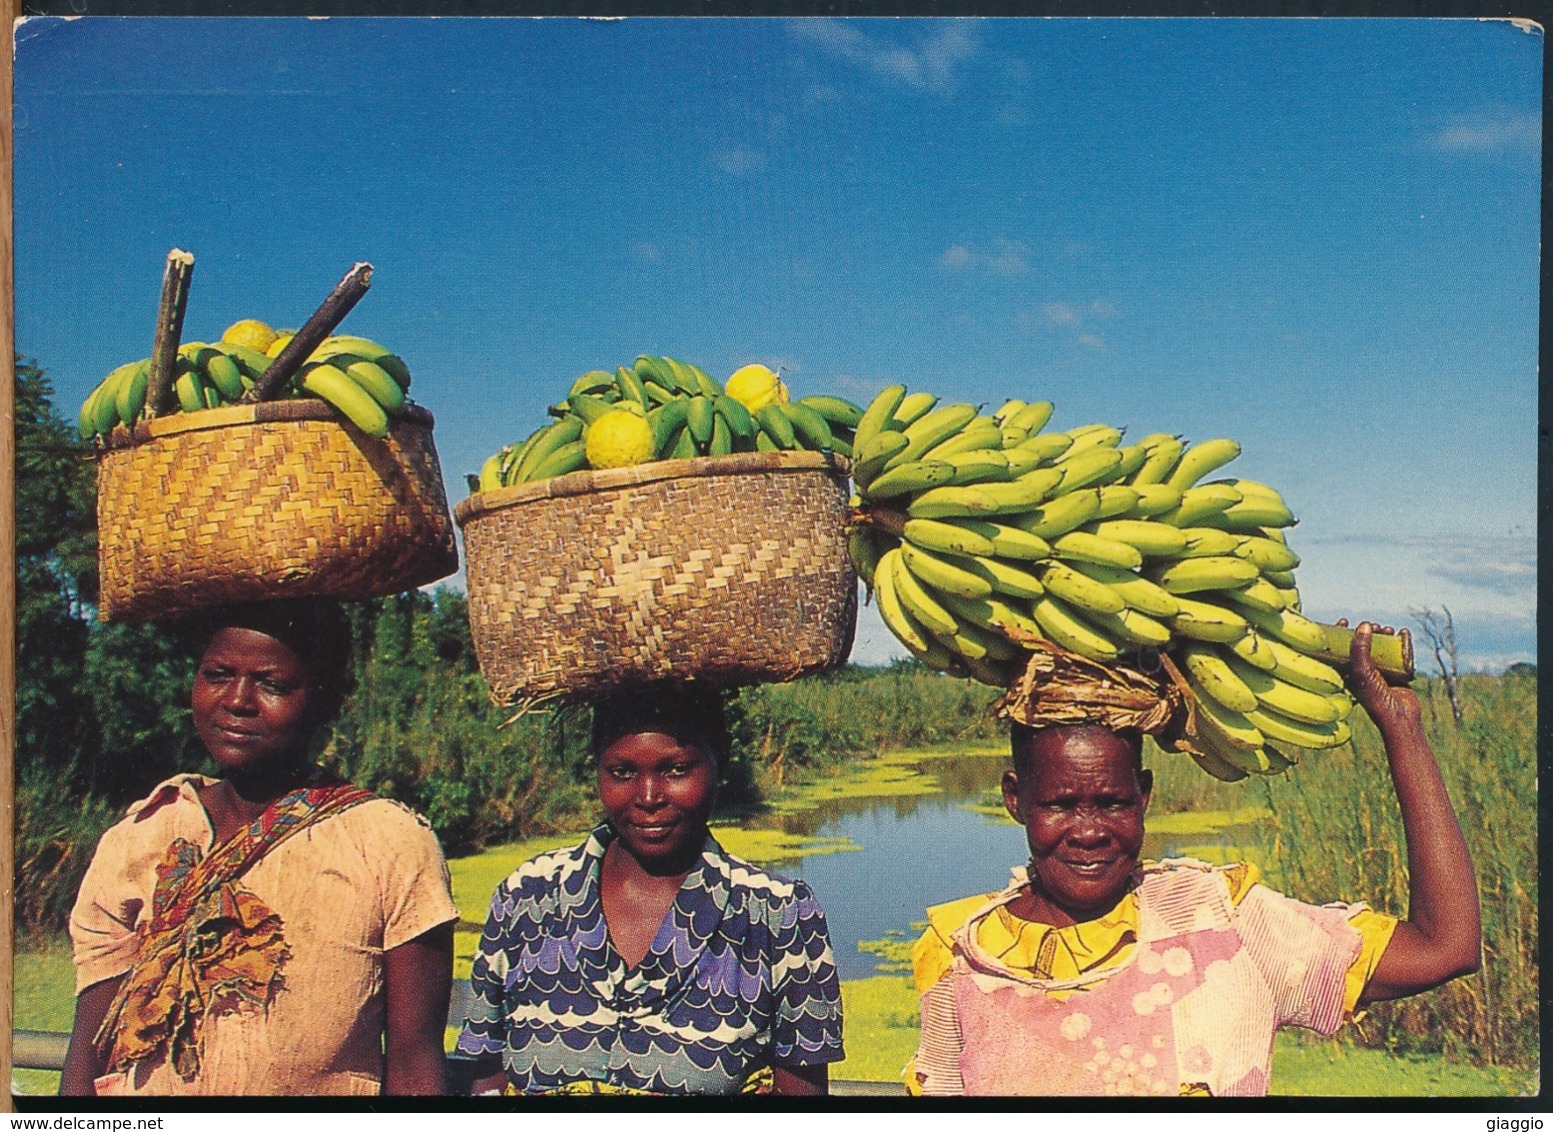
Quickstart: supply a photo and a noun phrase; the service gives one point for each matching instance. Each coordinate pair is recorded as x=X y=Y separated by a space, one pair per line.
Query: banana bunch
x=360 y=378
x=679 y=412
x=977 y=531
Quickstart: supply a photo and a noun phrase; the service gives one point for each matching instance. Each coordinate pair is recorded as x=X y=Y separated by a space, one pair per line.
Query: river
x=911 y=850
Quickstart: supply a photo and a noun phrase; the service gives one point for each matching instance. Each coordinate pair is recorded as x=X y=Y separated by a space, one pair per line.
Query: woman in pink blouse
x=1093 y=975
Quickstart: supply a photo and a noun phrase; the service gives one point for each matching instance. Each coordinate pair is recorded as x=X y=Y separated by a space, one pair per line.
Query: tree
x=1440 y=630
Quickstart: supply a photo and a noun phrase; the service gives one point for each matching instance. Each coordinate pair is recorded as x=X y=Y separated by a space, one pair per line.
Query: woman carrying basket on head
x=273 y=931
x=1094 y=974
x=646 y=959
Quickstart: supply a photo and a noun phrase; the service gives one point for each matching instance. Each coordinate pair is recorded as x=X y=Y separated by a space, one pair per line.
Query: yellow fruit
x=275 y=347
x=619 y=439
x=249 y=332
x=755 y=387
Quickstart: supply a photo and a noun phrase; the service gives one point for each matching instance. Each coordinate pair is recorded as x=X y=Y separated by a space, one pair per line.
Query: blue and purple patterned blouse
x=739 y=977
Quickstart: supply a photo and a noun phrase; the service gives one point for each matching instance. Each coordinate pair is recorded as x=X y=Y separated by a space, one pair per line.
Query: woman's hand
x=1389 y=706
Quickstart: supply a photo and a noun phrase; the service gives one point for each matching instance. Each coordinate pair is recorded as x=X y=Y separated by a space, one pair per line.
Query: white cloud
x=1091 y=341
x=1506 y=567
x=1005 y=257
x=1060 y=314
x=648 y=253
x=1490 y=133
x=739 y=161
x=929 y=65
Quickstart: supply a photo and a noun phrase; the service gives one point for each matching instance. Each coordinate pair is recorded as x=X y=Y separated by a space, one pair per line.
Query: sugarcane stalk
x=329 y=314
x=176 y=277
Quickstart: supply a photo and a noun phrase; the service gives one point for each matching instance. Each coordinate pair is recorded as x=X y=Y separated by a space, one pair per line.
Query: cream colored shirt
x=347 y=889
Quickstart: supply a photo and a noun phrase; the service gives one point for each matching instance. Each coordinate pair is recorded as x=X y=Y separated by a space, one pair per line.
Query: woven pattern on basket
x=268 y=508
x=732 y=578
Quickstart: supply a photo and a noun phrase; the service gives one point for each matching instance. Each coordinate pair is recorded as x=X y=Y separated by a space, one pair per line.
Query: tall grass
x=1336 y=834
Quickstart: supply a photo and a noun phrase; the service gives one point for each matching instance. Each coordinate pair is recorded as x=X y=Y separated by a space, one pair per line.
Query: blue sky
x=1319 y=237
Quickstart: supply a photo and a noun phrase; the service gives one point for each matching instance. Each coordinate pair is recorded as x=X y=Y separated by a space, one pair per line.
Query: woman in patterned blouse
x=1091 y=975
x=646 y=959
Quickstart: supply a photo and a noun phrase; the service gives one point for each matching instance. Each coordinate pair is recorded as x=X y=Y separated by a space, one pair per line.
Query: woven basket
x=727 y=569
x=253 y=502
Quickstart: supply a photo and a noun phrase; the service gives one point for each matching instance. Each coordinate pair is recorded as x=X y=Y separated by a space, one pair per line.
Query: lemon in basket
x=619 y=439
x=755 y=387
x=249 y=332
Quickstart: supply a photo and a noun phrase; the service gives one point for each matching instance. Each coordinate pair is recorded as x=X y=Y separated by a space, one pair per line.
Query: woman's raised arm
x=1441 y=937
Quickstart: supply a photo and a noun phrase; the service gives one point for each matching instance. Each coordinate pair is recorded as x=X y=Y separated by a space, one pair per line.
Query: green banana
x=595 y=382
x=1080 y=590
x=1087 y=467
x=740 y=424
x=1031 y=418
x=876 y=417
x=1061 y=515
x=1303 y=671
x=590 y=407
x=809 y=426
x=1200 y=459
x=1066 y=628
x=1081 y=546
x=1192 y=575
x=1283 y=697
x=1204 y=621
x=1153 y=540
x=189 y=386
x=380 y=386
x=542 y=445
x=490 y=472
x=1232 y=727
x=912 y=407
x=907 y=479
x=947 y=538
x=1117 y=500
x=981 y=435
x=699 y=418
x=667 y=422
x=571 y=457
x=1200 y=503
x=835 y=410
x=1270 y=557
x=131 y=397
x=941 y=574
x=774 y=423
x=631 y=387
x=721 y=443
x=992 y=614
x=1213 y=675
x=222 y=372
x=916 y=599
x=1136 y=591
x=931 y=429
x=891 y=611
x=331 y=384
x=872 y=455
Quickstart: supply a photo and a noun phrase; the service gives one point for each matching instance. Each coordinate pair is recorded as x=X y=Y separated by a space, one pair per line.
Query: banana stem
x=1392 y=653
x=330 y=313
x=891 y=522
x=176 y=277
